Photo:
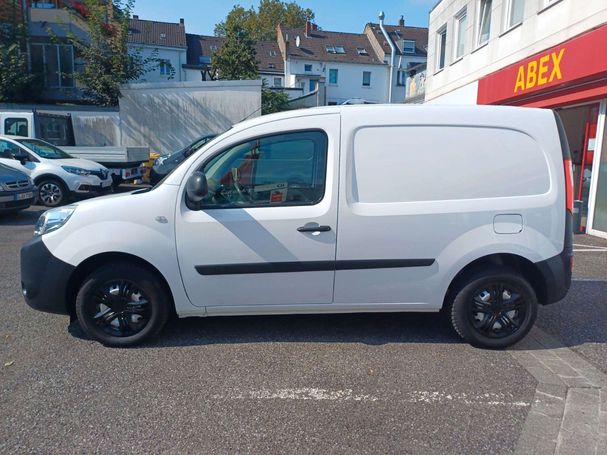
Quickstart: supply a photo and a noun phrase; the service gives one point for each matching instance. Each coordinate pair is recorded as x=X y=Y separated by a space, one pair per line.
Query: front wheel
x=122 y=305
x=52 y=193
x=494 y=309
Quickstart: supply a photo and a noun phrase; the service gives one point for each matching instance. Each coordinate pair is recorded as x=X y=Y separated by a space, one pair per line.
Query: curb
x=569 y=410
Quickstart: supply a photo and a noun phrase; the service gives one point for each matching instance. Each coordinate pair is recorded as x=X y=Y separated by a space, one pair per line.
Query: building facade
x=165 y=43
x=535 y=53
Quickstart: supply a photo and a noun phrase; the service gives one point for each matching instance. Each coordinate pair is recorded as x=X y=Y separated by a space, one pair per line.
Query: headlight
x=75 y=170
x=53 y=219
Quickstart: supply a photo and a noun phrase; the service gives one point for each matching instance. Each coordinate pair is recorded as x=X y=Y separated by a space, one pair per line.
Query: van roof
x=383 y=109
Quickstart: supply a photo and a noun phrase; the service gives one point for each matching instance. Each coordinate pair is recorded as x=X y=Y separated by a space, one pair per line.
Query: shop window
x=484 y=21
x=441 y=44
x=461 y=21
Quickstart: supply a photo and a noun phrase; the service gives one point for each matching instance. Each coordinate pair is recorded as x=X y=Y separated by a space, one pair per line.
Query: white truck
x=124 y=163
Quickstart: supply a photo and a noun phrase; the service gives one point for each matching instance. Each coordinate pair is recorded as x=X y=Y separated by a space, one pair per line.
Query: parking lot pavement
x=393 y=383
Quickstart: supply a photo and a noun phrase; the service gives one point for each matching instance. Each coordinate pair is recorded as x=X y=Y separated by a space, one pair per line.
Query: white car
x=327 y=210
x=57 y=174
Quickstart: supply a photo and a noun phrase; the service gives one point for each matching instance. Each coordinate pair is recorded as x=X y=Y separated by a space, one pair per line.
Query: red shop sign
x=580 y=59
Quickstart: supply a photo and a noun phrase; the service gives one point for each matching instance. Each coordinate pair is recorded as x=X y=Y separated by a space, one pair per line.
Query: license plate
x=23 y=196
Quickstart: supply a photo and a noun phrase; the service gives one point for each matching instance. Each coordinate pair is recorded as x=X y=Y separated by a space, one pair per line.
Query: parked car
x=166 y=163
x=249 y=225
x=57 y=174
x=17 y=191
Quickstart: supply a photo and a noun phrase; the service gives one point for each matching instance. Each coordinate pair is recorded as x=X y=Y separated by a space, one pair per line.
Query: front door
x=266 y=232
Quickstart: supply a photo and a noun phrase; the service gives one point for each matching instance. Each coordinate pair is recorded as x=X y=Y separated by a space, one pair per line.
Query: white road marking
x=423 y=397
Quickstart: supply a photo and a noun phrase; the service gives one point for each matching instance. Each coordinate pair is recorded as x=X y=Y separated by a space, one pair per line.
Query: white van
x=368 y=208
x=57 y=174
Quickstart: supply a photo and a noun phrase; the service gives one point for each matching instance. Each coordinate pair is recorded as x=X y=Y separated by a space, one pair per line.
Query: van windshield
x=44 y=149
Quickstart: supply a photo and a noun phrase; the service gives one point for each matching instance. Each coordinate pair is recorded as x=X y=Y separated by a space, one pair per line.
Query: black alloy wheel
x=122 y=304
x=494 y=308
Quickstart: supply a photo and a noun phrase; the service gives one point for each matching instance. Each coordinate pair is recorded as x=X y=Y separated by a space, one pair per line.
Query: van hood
x=79 y=162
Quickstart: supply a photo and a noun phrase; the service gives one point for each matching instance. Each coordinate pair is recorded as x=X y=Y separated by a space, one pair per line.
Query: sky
x=334 y=15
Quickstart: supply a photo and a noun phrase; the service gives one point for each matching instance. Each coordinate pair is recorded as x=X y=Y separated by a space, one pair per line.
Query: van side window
x=8 y=150
x=16 y=126
x=283 y=169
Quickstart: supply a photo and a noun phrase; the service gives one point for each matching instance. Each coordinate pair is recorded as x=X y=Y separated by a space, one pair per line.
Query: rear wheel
x=494 y=309
x=122 y=305
x=52 y=192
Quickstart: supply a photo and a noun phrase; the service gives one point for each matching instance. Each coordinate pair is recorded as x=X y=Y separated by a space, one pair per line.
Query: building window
x=308 y=68
x=408 y=46
x=278 y=82
x=312 y=85
x=461 y=22
x=401 y=78
x=272 y=53
x=271 y=65
x=163 y=36
x=484 y=22
x=362 y=51
x=55 y=62
x=335 y=49
x=213 y=48
x=366 y=78
x=165 y=67
x=332 y=76
x=441 y=44
x=516 y=9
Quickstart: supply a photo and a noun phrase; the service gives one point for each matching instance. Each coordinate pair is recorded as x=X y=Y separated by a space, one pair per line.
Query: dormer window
x=408 y=46
x=362 y=51
x=272 y=53
x=163 y=36
x=213 y=48
x=335 y=50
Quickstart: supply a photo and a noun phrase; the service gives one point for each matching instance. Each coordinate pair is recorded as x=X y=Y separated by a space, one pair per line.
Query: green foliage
x=107 y=64
x=236 y=57
x=261 y=24
x=273 y=100
x=15 y=82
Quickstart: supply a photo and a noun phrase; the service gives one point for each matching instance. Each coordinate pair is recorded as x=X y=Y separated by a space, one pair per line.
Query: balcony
x=60 y=21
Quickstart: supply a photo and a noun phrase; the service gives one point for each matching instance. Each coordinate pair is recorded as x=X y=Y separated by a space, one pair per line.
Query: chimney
x=308 y=28
x=135 y=16
x=181 y=21
x=401 y=21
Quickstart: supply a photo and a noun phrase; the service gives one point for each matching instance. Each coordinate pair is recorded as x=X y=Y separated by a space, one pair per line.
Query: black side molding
x=310 y=266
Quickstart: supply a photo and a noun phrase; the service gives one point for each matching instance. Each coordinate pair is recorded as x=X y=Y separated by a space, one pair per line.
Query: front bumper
x=17 y=200
x=44 y=278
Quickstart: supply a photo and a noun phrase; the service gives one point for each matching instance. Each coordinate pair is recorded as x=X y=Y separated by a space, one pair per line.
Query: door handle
x=314 y=228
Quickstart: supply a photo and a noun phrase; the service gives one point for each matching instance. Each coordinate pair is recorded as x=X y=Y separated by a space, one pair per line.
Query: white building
x=351 y=65
x=537 y=53
x=163 y=41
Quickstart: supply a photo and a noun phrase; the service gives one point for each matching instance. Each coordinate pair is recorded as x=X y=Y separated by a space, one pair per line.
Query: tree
x=236 y=57
x=261 y=24
x=15 y=82
x=273 y=100
x=107 y=63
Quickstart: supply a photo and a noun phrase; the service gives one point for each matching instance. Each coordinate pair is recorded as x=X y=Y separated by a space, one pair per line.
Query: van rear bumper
x=44 y=278
x=556 y=273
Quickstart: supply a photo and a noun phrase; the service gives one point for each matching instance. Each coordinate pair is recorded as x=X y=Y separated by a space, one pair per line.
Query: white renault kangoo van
x=367 y=208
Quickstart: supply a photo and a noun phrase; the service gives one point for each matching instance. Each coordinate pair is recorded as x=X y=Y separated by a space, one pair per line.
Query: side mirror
x=21 y=157
x=196 y=189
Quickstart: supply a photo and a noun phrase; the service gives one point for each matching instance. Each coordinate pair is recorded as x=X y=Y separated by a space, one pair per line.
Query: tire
x=52 y=192
x=122 y=305
x=494 y=308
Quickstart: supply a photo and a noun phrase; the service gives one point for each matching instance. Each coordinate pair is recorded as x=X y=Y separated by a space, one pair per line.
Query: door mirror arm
x=196 y=190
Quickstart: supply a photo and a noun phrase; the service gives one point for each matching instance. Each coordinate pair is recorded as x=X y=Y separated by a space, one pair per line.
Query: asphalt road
x=285 y=384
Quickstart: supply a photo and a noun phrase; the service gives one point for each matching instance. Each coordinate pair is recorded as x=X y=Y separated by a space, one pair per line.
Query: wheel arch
x=48 y=176
x=86 y=267
x=519 y=264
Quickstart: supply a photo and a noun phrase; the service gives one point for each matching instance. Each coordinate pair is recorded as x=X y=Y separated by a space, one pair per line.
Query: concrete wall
x=177 y=57
x=545 y=24
x=168 y=116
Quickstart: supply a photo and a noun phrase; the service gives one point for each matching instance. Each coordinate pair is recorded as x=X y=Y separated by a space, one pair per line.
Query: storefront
x=572 y=79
